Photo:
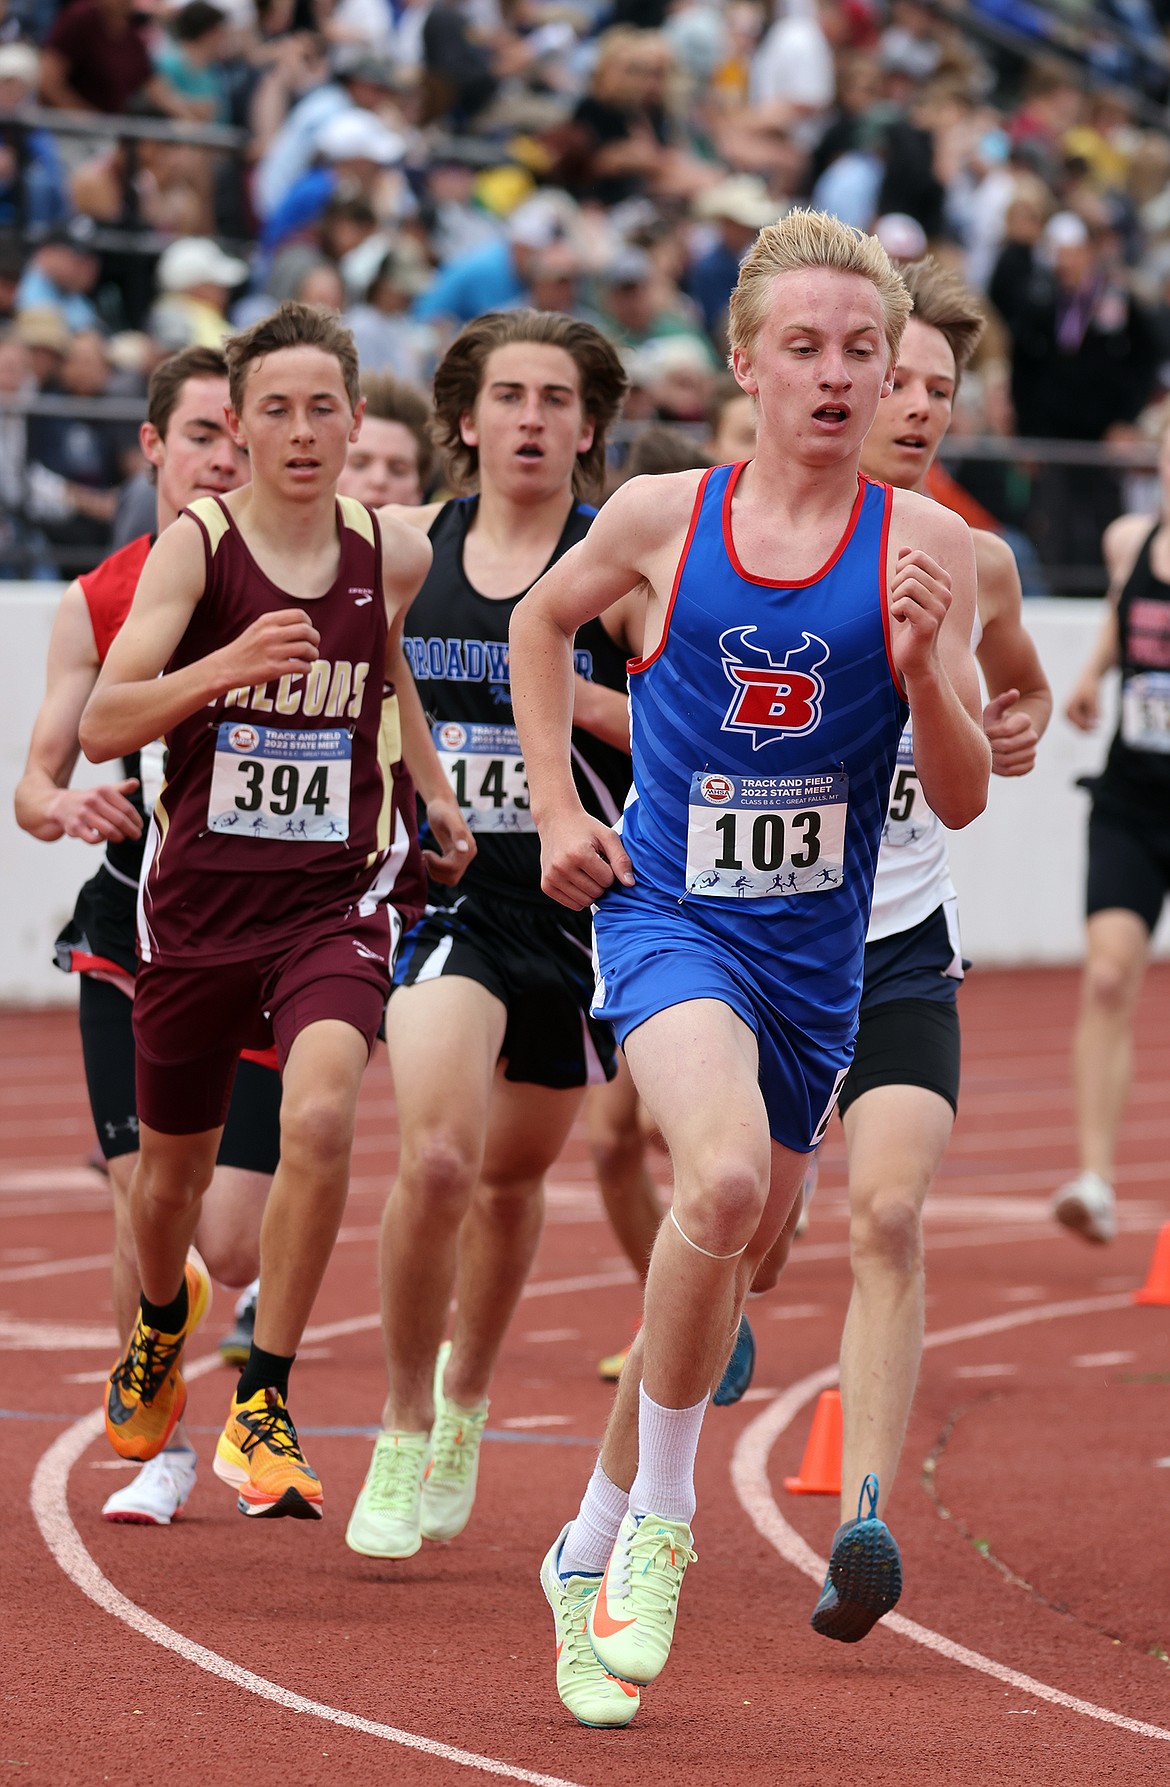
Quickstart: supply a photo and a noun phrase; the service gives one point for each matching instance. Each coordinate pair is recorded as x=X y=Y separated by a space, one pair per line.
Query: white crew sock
x=590 y=1538
x=668 y=1440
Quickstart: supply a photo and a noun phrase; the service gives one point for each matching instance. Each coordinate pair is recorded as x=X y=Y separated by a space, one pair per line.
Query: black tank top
x=1137 y=771
x=456 y=643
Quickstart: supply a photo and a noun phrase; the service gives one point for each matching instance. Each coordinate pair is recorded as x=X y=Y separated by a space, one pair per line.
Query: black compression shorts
x=1129 y=866
x=251 y=1137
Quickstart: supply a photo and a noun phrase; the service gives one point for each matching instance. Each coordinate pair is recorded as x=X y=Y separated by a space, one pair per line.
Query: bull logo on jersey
x=773 y=699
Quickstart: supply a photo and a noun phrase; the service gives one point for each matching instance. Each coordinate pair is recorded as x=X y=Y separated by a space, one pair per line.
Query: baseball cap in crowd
x=39 y=326
x=360 y=136
x=539 y=222
x=1065 y=230
x=901 y=235
x=742 y=199
x=197 y=260
x=629 y=266
x=19 y=62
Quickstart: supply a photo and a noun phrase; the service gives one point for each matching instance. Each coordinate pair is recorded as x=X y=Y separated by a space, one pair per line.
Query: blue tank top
x=765 y=732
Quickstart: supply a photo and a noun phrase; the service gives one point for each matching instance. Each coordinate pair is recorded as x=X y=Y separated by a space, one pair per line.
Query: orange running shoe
x=146 y=1395
x=260 y=1456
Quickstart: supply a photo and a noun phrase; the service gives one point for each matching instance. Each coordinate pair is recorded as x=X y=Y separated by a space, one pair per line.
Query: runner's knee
x=439 y=1169
x=1111 y=983
x=887 y=1231
x=316 y=1131
x=722 y=1208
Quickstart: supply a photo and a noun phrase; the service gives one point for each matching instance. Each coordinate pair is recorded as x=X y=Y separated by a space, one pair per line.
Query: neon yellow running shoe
x=387 y=1516
x=448 y=1490
x=592 y=1696
x=145 y=1394
x=631 y=1621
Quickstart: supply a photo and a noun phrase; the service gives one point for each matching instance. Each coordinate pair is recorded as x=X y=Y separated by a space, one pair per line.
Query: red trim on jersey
x=884 y=560
x=780 y=582
x=109 y=590
x=101 y=968
x=635 y=665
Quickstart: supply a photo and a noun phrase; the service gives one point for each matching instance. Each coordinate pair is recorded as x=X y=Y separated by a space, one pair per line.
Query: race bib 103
x=755 y=837
x=486 y=772
x=276 y=784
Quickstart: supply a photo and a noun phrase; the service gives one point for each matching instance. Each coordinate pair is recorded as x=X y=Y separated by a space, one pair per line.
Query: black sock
x=168 y=1318
x=264 y=1371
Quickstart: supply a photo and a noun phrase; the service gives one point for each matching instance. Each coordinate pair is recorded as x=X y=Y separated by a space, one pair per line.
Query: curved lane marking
x=749 y=1476
x=48 y=1498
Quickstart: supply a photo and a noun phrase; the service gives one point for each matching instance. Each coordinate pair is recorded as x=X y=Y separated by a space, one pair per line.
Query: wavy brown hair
x=460 y=376
x=169 y=377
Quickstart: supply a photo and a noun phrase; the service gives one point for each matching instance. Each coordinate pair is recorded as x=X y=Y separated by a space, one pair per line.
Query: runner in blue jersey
x=793 y=613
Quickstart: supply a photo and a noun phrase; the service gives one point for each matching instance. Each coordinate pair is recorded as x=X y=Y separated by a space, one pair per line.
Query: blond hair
x=812 y=239
x=943 y=302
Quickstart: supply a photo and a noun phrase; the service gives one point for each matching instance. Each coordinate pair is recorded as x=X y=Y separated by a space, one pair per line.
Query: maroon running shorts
x=190 y=1024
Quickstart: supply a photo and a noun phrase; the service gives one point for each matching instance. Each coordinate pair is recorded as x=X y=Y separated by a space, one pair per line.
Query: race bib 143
x=486 y=772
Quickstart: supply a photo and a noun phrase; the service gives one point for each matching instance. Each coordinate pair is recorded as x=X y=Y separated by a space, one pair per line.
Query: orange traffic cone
x=820 y=1468
x=1157 y=1286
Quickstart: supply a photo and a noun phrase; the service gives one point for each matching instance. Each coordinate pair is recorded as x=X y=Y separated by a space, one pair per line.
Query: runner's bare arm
x=406 y=559
x=1016 y=717
x=1120 y=545
x=635 y=540
x=134 y=702
x=932 y=612
x=46 y=806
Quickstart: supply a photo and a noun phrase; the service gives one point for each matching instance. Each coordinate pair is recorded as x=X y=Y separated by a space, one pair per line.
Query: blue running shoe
x=740 y=1366
x=865 y=1574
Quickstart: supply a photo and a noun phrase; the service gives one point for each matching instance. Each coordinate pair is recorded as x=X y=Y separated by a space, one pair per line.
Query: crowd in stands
x=412 y=163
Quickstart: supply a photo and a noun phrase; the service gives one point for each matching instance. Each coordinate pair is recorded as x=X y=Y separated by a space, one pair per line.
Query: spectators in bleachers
x=415 y=164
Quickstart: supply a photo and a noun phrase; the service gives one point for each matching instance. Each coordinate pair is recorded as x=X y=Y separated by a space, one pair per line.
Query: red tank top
x=109 y=590
x=285 y=805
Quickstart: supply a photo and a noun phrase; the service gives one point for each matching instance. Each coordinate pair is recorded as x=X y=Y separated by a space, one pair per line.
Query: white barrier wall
x=1019 y=869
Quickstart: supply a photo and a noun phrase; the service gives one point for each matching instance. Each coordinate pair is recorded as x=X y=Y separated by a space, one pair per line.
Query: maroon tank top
x=285 y=805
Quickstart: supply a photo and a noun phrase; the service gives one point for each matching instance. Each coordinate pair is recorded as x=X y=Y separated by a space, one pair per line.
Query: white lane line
x=749 y=1477
x=51 y=1513
x=50 y=1337
x=1095 y=1361
x=48 y=1499
x=979 y=1371
x=89 y=1262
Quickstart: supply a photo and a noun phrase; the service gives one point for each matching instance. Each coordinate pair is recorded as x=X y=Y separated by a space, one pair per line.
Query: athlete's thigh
x=696 y=1066
x=527 y=1128
x=444 y=1038
x=323 y=1071
x=895 y=1137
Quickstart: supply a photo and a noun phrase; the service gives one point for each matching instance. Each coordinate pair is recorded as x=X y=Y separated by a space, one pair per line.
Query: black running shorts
x=538 y=963
x=908 y=1025
x=1129 y=866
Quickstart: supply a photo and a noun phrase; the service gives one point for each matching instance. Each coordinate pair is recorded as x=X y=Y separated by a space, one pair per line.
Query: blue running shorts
x=652 y=954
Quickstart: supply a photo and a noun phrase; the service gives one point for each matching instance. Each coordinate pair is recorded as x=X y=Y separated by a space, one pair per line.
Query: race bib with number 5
x=271 y=783
x=1145 y=711
x=486 y=772
x=754 y=837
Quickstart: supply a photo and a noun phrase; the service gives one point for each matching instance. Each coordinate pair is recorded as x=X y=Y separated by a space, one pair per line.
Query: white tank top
x=913 y=876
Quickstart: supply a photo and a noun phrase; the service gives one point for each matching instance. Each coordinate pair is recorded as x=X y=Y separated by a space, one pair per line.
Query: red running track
x=1031 y=1508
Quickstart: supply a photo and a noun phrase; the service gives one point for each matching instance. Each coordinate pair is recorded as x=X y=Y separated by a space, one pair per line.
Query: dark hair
x=390 y=399
x=291 y=325
x=943 y=302
x=196 y=20
x=459 y=380
x=662 y=449
x=169 y=377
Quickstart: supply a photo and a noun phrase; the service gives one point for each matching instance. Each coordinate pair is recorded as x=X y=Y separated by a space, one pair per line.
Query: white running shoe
x=158 y=1494
x=1086 y=1206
